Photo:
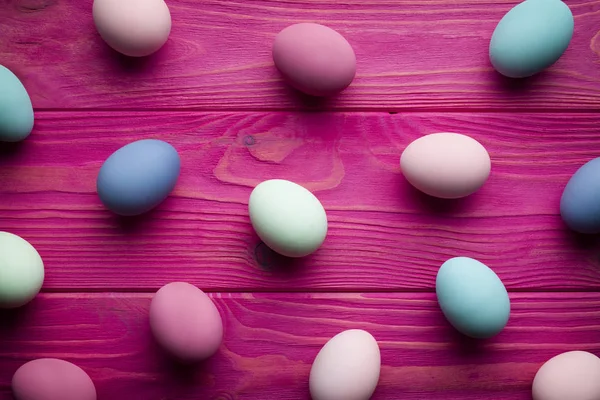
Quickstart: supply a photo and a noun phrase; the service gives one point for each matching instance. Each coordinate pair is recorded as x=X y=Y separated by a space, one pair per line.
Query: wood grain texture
x=271 y=340
x=383 y=234
x=411 y=54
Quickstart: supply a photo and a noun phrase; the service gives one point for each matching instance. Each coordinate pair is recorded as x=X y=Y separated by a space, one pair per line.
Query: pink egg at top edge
x=52 y=379
x=574 y=375
x=185 y=322
x=314 y=59
x=135 y=28
x=446 y=165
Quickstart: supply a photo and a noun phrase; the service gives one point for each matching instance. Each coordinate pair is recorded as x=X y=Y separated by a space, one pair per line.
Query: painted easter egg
x=531 y=37
x=346 y=368
x=16 y=110
x=185 y=322
x=136 y=28
x=287 y=217
x=446 y=165
x=579 y=204
x=21 y=271
x=314 y=59
x=138 y=177
x=574 y=375
x=472 y=297
x=52 y=379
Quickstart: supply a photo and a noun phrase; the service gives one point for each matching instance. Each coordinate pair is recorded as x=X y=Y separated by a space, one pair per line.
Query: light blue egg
x=16 y=111
x=580 y=201
x=531 y=37
x=138 y=177
x=472 y=297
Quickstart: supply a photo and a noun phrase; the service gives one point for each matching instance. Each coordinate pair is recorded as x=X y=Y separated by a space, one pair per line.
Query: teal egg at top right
x=531 y=37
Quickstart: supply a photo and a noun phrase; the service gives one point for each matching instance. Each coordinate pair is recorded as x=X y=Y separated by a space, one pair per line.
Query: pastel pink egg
x=136 y=28
x=574 y=375
x=185 y=322
x=446 y=165
x=52 y=379
x=314 y=59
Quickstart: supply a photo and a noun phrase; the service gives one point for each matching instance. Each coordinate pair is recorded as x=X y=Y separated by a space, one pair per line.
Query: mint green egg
x=16 y=111
x=531 y=37
x=472 y=297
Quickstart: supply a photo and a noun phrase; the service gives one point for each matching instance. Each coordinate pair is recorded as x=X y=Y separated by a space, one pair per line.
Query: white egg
x=287 y=217
x=21 y=271
x=346 y=368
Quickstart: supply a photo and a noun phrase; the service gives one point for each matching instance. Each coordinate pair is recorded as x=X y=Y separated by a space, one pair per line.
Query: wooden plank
x=271 y=340
x=411 y=54
x=383 y=235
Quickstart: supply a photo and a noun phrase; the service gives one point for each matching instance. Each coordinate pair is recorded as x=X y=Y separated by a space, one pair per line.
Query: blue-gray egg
x=580 y=201
x=138 y=177
x=472 y=297
x=16 y=111
x=531 y=37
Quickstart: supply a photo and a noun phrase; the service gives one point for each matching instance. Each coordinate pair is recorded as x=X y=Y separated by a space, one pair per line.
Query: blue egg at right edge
x=531 y=37
x=580 y=201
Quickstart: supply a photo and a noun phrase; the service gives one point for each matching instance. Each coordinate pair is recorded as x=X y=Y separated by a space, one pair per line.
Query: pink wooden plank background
x=202 y=233
x=411 y=54
x=271 y=340
x=213 y=93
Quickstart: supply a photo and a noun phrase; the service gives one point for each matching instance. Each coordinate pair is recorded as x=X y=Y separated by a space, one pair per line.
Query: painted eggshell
x=138 y=177
x=472 y=297
x=52 y=379
x=135 y=28
x=346 y=368
x=580 y=201
x=16 y=110
x=446 y=165
x=574 y=375
x=531 y=37
x=185 y=322
x=287 y=217
x=21 y=271
x=314 y=59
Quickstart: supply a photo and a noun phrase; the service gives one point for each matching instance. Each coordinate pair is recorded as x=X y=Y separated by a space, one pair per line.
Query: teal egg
x=472 y=297
x=16 y=111
x=531 y=37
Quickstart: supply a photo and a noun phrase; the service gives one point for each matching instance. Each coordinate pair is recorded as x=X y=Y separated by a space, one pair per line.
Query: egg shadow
x=588 y=244
x=517 y=85
x=461 y=345
x=11 y=320
x=434 y=205
x=135 y=224
x=277 y=264
x=132 y=65
x=10 y=150
x=179 y=373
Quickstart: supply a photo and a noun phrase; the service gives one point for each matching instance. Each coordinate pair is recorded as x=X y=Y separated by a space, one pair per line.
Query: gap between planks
x=301 y=290
x=503 y=110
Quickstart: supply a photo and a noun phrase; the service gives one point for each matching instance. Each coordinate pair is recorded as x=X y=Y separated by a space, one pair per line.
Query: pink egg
x=136 y=28
x=446 y=165
x=314 y=59
x=185 y=322
x=52 y=379
x=573 y=375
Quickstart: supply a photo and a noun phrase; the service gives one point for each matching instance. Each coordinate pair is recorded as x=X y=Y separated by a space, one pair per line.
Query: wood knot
x=34 y=5
x=595 y=44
